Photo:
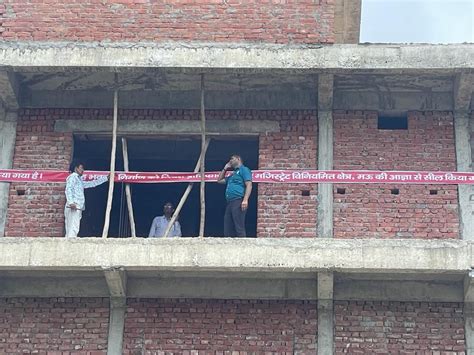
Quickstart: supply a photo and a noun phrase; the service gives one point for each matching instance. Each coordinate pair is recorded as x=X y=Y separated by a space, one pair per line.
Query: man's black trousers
x=234 y=219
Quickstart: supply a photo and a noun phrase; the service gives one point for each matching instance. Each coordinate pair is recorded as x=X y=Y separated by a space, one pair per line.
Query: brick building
x=334 y=268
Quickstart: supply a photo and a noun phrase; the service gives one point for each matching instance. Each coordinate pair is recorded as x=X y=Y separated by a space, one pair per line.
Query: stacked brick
x=302 y=21
x=54 y=326
x=373 y=211
x=185 y=326
x=399 y=328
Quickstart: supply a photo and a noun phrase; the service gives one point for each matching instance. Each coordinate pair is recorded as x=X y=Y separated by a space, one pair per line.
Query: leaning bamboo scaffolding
x=186 y=192
x=105 y=231
x=203 y=161
x=128 y=192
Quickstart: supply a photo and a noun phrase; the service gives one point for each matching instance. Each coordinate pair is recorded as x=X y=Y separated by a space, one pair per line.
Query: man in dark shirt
x=237 y=193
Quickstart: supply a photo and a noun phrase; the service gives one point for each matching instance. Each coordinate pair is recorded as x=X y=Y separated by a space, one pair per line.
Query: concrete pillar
x=325 y=154
x=116 y=279
x=118 y=308
x=462 y=133
x=469 y=312
x=8 y=121
x=325 y=313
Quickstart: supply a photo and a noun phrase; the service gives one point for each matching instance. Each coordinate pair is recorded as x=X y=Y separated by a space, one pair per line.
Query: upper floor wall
x=302 y=21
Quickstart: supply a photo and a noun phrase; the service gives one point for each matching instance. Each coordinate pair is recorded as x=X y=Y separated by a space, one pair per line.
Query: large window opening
x=162 y=154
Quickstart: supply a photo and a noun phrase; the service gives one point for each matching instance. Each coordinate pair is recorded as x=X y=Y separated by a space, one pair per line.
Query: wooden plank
x=128 y=192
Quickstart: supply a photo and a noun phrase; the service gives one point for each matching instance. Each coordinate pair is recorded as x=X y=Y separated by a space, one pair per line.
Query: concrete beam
x=178 y=127
x=238 y=255
x=116 y=279
x=393 y=100
x=8 y=121
x=325 y=313
x=9 y=90
x=247 y=57
x=247 y=99
x=399 y=290
x=325 y=153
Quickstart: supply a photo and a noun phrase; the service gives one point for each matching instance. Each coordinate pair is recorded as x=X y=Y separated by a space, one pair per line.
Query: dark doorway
x=162 y=154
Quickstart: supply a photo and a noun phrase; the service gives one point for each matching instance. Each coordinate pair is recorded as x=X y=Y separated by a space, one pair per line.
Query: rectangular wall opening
x=162 y=154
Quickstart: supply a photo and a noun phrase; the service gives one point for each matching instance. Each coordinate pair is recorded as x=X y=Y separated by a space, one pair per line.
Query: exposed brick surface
x=371 y=210
x=54 y=326
x=275 y=21
x=399 y=328
x=184 y=326
x=282 y=210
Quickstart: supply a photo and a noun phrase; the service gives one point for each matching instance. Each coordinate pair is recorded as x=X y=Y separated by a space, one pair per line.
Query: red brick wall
x=54 y=326
x=40 y=211
x=282 y=210
x=215 y=326
x=302 y=21
x=398 y=328
x=371 y=210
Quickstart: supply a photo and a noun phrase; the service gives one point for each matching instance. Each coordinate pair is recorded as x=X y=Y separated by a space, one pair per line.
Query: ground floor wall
x=197 y=326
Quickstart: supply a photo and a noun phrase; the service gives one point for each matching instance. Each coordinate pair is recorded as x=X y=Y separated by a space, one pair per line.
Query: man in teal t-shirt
x=237 y=193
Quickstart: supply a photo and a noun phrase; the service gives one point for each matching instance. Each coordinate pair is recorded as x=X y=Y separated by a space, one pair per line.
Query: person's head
x=235 y=161
x=168 y=209
x=77 y=167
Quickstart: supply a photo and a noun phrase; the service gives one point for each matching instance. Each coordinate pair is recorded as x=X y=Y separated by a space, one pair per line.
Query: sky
x=417 y=21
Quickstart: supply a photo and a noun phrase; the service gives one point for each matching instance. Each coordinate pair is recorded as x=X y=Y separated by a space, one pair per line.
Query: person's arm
x=248 y=191
x=96 y=182
x=152 y=228
x=177 y=232
x=247 y=176
x=221 y=178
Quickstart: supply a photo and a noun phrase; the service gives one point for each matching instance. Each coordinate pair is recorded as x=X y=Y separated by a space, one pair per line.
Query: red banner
x=258 y=176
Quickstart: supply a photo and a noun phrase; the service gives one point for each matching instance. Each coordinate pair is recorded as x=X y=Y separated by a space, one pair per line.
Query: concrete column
x=118 y=308
x=469 y=312
x=325 y=313
x=8 y=122
x=116 y=279
x=325 y=154
x=464 y=163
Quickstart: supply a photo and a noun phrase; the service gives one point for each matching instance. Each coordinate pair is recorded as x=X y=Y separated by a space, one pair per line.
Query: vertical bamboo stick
x=186 y=192
x=105 y=232
x=128 y=193
x=203 y=160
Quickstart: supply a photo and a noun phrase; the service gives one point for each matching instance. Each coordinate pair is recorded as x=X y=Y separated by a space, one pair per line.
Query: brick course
x=54 y=326
x=399 y=328
x=274 y=21
x=371 y=210
x=185 y=326
x=283 y=211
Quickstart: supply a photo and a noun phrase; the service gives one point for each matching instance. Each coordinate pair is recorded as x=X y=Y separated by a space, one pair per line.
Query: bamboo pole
x=128 y=193
x=186 y=192
x=203 y=160
x=105 y=232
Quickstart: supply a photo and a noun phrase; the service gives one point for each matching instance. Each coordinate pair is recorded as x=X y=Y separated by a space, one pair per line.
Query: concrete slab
x=248 y=57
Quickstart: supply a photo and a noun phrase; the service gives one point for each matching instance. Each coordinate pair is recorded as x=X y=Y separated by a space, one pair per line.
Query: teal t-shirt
x=236 y=183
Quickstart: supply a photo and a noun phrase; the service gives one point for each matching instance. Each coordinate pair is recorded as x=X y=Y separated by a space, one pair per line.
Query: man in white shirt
x=75 y=200
x=159 y=224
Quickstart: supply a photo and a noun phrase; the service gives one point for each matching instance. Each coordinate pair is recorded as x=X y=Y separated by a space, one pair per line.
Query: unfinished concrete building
x=333 y=268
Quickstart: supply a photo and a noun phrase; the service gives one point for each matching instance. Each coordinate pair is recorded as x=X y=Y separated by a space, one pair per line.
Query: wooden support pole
x=128 y=192
x=105 y=232
x=186 y=192
x=203 y=160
